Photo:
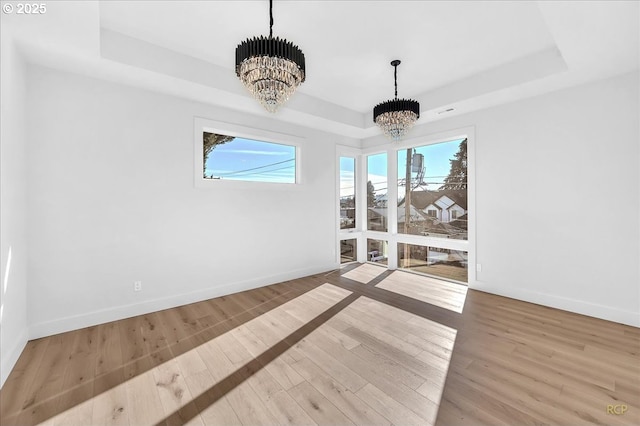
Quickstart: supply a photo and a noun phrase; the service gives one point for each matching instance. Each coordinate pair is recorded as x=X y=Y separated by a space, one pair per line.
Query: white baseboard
x=566 y=304
x=11 y=357
x=89 y=319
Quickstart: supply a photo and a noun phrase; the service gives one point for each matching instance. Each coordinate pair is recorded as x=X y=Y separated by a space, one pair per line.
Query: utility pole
x=407 y=205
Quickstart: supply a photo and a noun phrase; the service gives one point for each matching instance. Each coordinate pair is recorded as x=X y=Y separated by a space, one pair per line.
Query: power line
x=273 y=170
x=256 y=168
x=402 y=184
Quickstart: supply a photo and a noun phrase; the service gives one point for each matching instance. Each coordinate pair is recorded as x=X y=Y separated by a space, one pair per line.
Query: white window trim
x=201 y=125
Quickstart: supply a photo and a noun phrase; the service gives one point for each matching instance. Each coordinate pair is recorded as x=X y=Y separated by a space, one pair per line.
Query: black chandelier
x=397 y=116
x=270 y=68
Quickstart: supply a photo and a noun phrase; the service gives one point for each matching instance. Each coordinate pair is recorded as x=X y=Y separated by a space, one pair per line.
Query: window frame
x=356 y=167
x=356 y=232
x=392 y=236
x=202 y=125
x=355 y=256
x=365 y=195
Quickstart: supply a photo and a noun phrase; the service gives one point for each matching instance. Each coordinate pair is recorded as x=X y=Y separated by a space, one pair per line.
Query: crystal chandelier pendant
x=270 y=68
x=397 y=116
x=271 y=80
x=396 y=124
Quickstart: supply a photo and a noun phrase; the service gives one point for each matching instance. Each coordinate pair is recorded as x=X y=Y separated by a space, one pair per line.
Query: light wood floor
x=362 y=345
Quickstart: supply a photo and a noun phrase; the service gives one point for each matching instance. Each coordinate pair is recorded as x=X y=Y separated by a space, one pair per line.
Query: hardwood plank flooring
x=361 y=345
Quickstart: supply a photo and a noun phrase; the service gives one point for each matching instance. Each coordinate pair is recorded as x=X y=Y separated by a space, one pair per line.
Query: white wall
x=13 y=207
x=541 y=166
x=112 y=200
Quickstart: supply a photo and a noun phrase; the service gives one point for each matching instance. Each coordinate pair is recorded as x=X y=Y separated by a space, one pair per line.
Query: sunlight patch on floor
x=425 y=289
x=364 y=273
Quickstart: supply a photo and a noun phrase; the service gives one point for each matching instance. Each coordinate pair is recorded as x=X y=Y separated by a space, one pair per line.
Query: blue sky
x=347 y=175
x=436 y=163
x=247 y=159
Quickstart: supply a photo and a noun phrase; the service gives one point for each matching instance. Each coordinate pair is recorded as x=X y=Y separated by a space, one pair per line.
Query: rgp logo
x=617 y=409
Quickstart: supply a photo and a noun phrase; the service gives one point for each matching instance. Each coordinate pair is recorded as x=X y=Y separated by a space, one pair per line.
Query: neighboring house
x=435 y=228
x=377 y=219
x=436 y=213
x=460 y=222
x=444 y=206
x=415 y=215
x=380 y=200
x=347 y=217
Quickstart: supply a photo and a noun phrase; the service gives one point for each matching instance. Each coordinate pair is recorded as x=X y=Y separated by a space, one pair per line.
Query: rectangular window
x=440 y=262
x=377 y=251
x=236 y=158
x=347 y=193
x=432 y=190
x=348 y=250
x=377 y=192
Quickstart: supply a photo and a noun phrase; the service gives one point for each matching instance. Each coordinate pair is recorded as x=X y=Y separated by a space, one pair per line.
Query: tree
x=209 y=142
x=371 y=194
x=457 y=178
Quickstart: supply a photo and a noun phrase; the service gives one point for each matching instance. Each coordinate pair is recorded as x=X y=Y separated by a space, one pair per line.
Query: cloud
x=346 y=183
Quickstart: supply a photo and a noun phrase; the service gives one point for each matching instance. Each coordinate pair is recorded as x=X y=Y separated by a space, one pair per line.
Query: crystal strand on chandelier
x=396 y=124
x=270 y=80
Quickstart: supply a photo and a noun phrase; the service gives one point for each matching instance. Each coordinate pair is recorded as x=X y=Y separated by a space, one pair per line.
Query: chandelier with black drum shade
x=270 y=68
x=397 y=116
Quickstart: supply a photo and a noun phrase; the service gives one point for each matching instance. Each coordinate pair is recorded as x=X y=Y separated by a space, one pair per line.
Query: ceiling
x=458 y=56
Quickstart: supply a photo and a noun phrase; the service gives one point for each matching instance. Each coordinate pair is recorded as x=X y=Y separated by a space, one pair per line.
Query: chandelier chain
x=395 y=78
x=270 y=18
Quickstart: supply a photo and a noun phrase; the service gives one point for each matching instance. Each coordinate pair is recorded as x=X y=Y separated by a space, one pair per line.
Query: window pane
x=377 y=251
x=347 y=193
x=377 y=192
x=235 y=158
x=348 y=251
x=434 y=180
x=443 y=263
